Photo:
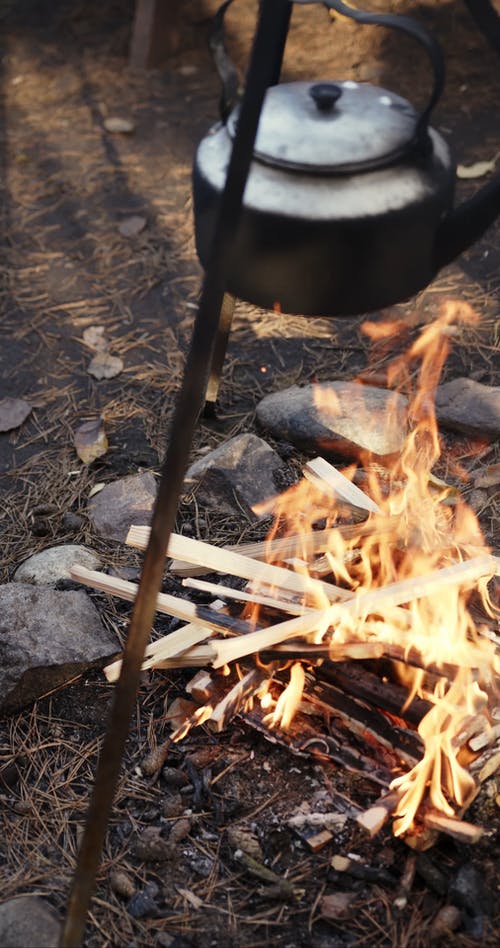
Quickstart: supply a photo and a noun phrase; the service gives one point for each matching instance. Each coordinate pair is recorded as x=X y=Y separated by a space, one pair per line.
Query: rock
x=118 y=125
x=54 y=563
x=173 y=806
x=179 y=831
x=164 y=940
x=72 y=521
x=469 y=407
x=336 y=905
x=447 y=920
x=152 y=847
x=236 y=475
x=131 y=574
x=132 y=226
x=469 y=891
x=174 y=777
x=337 y=418
x=46 y=638
x=120 y=504
x=13 y=411
x=26 y=921
x=143 y=903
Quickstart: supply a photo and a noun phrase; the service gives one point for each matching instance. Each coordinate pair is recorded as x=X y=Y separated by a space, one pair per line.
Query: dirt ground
x=66 y=186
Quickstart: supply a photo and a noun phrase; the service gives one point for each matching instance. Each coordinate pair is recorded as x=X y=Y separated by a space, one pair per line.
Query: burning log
x=236 y=699
x=361 y=683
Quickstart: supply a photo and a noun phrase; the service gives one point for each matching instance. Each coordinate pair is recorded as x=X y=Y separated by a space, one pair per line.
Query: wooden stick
x=325 y=475
x=375 y=817
x=393 y=594
x=225 y=652
x=167 y=647
x=418 y=587
x=453 y=826
x=222 y=561
x=236 y=698
x=225 y=592
x=169 y=605
x=309 y=544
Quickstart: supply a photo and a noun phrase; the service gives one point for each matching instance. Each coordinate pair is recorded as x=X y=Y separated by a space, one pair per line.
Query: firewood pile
x=393 y=680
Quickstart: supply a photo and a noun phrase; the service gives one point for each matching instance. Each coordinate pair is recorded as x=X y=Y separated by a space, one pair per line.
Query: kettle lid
x=332 y=127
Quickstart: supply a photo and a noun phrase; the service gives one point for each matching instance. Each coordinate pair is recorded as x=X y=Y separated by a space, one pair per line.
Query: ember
x=381 y=666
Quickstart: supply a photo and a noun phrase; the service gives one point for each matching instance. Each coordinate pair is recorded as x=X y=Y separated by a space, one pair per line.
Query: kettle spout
x=466 y=224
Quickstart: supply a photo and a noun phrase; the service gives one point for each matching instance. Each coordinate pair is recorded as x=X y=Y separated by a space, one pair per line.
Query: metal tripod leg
x=220 y=346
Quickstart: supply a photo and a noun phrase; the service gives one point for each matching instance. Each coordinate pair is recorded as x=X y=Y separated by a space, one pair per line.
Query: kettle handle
x=232 y=90
x=228 y=74
x=412 y=28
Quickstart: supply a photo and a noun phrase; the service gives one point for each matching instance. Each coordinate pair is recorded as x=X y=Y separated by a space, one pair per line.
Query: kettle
x=348 y=205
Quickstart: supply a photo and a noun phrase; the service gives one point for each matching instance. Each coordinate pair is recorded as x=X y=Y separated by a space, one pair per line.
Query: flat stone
x=46 y=638
x=337 y=418
x=469 y=407
x=26 y=921
x=54 y=563
x=237 y=475
x=120 y=504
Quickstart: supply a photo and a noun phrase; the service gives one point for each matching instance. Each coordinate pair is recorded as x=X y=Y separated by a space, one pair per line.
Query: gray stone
x=469 y=891
x=447 y=920
x=28 y=921
x=236 y=475
x=46 y=638
x=72 y=522
x=337 y=418
x=143 y=903
x=54 y=563
x=120 y=504
x=469 y=407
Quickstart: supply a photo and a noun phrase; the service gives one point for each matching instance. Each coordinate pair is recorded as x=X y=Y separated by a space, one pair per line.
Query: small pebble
x=72 y=521
x=152 y=847
x=469 y=891
x=447 y=920
x=9 y=775
x=164 y=940
x=474 y=926
x=173 y=806
x=143 y=903
x=179 y=831
x=174 y=777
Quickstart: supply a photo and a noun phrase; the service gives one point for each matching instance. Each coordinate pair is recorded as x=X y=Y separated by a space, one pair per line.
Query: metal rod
x=272 y=17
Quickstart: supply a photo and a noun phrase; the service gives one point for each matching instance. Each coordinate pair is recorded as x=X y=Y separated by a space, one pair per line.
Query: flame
x=416 y=533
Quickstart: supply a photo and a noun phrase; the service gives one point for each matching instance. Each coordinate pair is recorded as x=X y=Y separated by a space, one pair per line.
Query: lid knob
x=325 y=95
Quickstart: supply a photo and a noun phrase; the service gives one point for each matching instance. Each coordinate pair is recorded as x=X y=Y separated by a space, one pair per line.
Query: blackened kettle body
x=348 y=205
x=327 y=227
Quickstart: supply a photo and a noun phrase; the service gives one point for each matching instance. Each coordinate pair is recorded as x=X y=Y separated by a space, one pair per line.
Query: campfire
x=369 y=643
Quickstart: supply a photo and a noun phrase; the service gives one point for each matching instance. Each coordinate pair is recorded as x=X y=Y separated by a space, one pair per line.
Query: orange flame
x=414 y=534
